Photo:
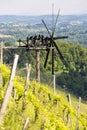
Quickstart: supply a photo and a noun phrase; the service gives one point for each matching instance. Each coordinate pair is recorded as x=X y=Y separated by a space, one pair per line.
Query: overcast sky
x=39 y=7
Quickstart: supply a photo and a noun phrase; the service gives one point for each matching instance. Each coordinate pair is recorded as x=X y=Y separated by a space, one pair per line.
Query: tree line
x=72 y=72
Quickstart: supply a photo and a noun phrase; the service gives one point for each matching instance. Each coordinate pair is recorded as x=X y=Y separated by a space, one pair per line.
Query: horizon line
x=40 y=14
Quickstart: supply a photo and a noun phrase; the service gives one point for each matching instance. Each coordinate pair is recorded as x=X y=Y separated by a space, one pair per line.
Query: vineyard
x=37 y=108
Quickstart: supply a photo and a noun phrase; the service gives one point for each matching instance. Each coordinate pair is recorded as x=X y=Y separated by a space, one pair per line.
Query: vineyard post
x=9 y=90
x=38 y=66
x=78 y=114
x=68 y=115
x=54 y=84
x=25 y=124
x=69 y=98
x=28 y=68
x=1 y=54
x=1 y=62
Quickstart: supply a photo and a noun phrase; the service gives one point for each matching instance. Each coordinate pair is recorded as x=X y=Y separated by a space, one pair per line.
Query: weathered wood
x=25 y=124
x=54 y=84
x=30 y=48
x=38 y=66
x=9 y=90
x=79 y=106
x=69 y=99
x=1 y=54
x=28 y=68
x=1 y=62
x=68 y=114
x=78 y=114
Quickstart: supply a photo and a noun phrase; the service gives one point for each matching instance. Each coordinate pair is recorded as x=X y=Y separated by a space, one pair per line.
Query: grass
x=74 y=100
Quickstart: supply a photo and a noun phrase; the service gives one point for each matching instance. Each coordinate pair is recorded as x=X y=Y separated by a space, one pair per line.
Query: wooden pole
x=68 y=114
x=54 y=83
x=38 y=66
x=69 y=99
x=28 y=68
x=78 y=114
x=79 y=106
x=25 y=124
x=9 y=90
x=1 y=54
x=1 y=62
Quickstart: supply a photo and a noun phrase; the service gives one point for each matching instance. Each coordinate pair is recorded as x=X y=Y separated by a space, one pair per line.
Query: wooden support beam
x=24 y=47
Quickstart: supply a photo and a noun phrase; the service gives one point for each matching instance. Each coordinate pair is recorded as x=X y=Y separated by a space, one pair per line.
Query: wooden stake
x=38 y=66
x=1 y=62
x=79 y=106
x=25 y=124
x=69 y=99
x=68 y=115
x=28 y=68
x=1 y=54
x=9 y=90
x=78 y=114
x=54 y=83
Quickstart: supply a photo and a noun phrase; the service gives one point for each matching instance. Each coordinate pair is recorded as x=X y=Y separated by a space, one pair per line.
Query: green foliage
x=74 y=76
x=74 y=81
x=19 y=86
x=45 y=110
x=5 y=71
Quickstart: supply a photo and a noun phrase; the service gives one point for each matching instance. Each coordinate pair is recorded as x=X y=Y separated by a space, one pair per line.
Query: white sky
x=38 y=7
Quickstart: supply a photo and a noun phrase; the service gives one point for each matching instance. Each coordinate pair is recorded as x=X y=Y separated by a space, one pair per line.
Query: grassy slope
x=74 y=100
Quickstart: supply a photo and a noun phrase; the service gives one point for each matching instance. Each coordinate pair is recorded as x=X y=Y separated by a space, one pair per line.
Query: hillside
x=43 y=109
x=16 y=27
x=72 y=72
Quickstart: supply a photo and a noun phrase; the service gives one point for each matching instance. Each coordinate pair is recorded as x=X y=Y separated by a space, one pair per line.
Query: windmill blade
x=48 y=51
x=55 y=23
x=58 y=51
x=46 y=28
x=60 y=37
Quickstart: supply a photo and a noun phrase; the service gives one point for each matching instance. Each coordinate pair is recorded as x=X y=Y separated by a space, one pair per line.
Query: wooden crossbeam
x=24 y=47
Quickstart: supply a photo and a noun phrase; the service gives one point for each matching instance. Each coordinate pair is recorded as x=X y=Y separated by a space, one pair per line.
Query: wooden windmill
x=52 y=44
